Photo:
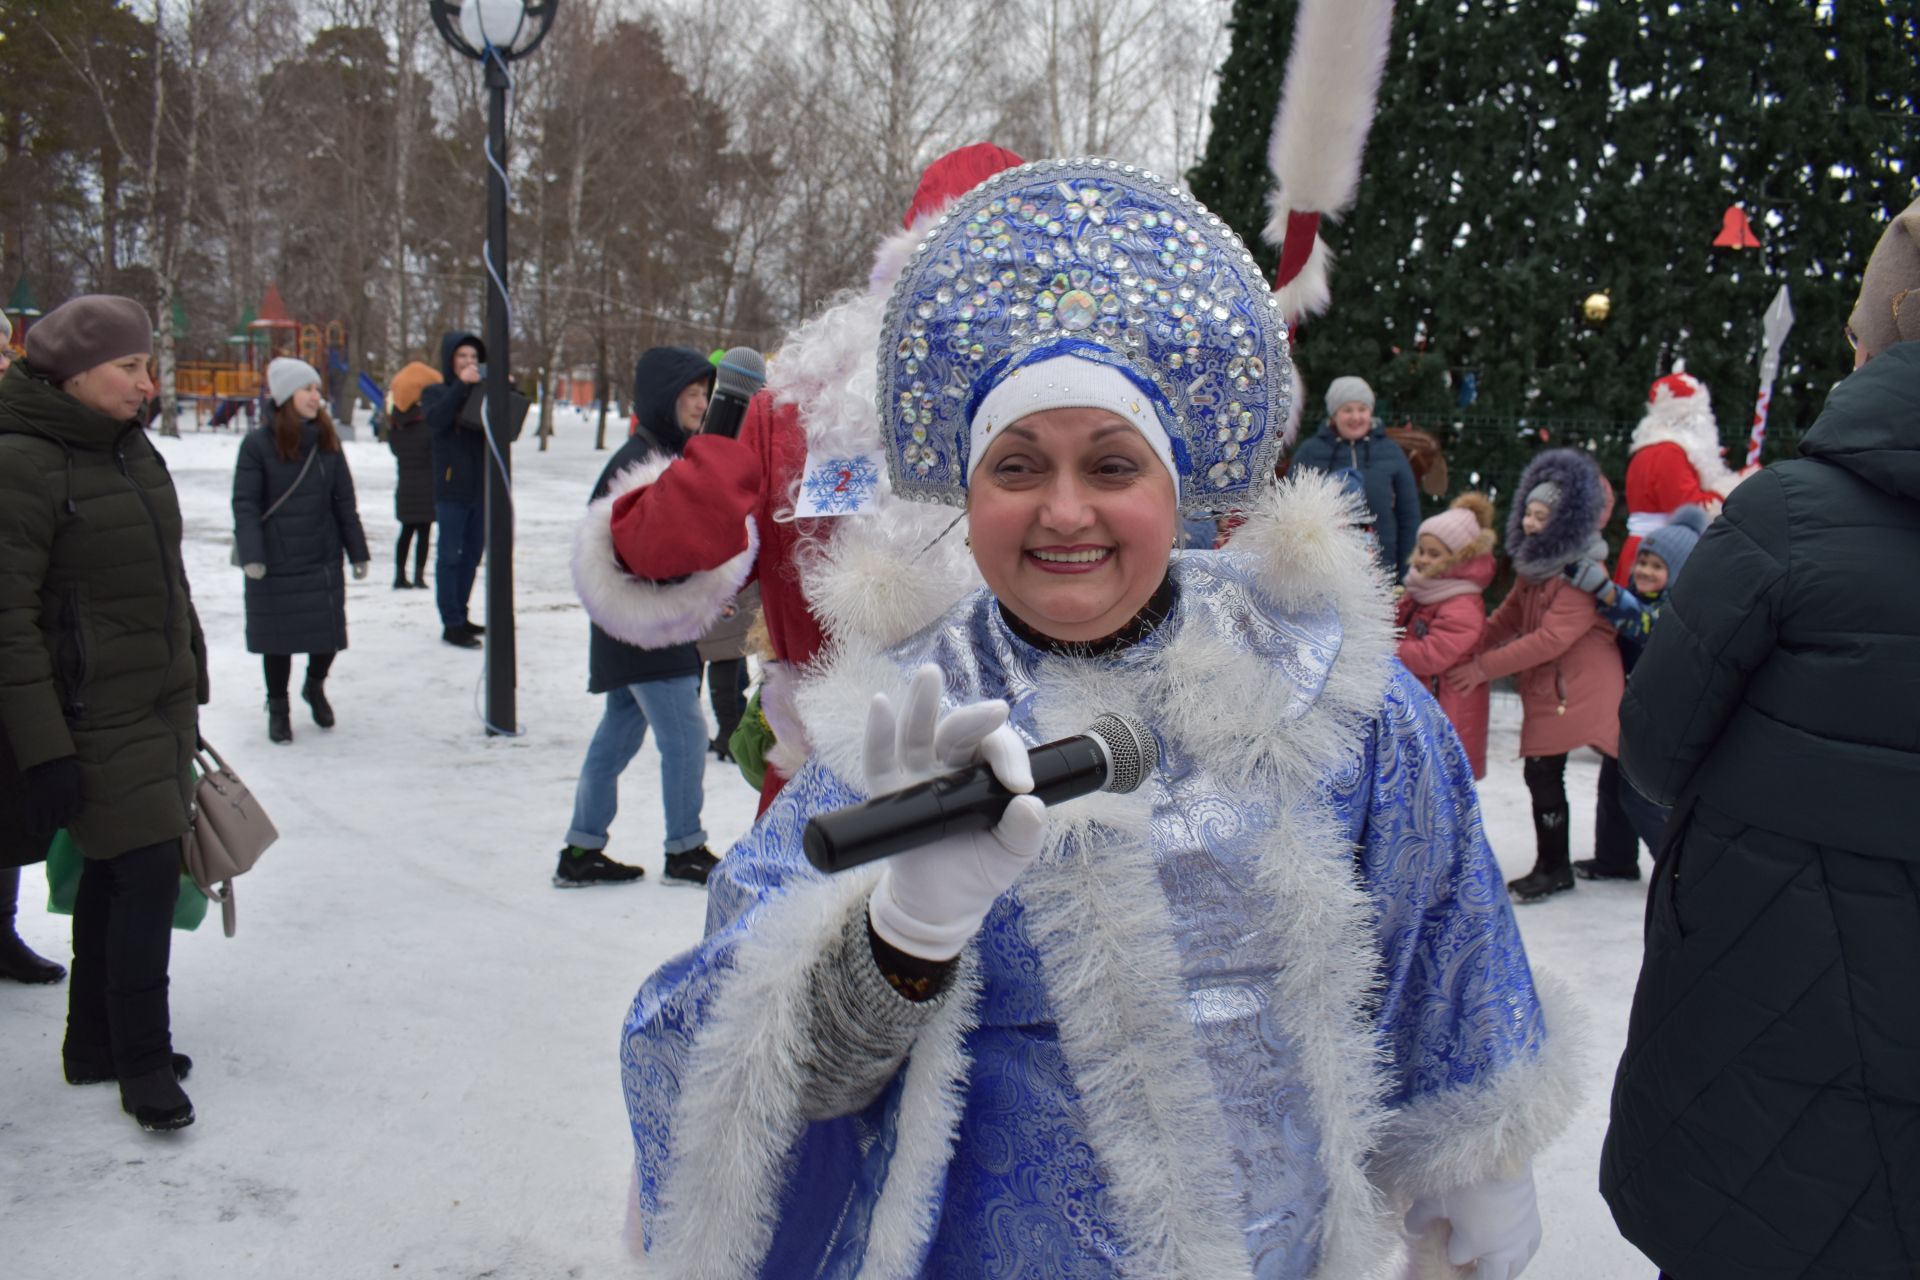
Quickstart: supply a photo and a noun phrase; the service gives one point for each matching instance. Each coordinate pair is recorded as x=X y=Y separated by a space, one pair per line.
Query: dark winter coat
x=411 y=440
x=1392 y=496
x=101 y=656
x=659 y=377
x=459 y=452
x=1766 y=1114
x=301 y=604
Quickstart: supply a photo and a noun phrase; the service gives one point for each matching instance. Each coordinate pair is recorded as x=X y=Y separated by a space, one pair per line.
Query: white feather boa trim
x=1468 y=1136
x=740 y=1101
x=650 y=615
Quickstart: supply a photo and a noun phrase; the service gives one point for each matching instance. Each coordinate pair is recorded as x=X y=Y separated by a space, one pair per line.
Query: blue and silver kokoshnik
x=1106 y=262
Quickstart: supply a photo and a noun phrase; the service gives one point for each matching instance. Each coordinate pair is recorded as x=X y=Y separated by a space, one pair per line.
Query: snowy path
x=405 y=1064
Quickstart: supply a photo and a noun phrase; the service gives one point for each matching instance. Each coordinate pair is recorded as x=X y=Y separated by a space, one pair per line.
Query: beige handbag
x=228 y=834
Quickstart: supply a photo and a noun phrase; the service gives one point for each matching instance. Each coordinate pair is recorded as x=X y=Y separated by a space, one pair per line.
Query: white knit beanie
x=1347 y=390
x=285 y=375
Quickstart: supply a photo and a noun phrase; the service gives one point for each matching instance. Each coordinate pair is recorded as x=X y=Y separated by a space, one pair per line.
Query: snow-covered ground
x=405 y=1064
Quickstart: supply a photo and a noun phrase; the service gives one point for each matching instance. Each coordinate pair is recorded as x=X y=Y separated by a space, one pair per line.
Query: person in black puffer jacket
x=411 y=440
x=1352 y=442
x=1766 y=1113
x=294 y=521
x=657 y=686
x=102 y=670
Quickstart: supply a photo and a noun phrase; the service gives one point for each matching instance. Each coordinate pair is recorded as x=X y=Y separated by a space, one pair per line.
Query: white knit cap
x=1348 y=390
x=285 y=375
x=1068 y=382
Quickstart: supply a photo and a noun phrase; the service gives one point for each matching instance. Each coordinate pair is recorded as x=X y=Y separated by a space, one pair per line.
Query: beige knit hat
x=1889 y=307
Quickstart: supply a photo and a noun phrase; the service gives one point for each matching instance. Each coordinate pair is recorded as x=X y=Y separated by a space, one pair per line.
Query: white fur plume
x=649 y=614
x=1333 y=78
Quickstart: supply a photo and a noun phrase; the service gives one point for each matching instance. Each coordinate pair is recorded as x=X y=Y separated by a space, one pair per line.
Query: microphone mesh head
x=741 y=372
x=1132 y=750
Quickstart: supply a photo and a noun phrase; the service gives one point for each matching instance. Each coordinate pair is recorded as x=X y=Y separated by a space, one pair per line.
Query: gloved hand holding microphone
x=931 y=900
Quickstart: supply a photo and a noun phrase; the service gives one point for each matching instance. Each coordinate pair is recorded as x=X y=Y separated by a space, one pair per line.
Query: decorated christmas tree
x=1525 y=158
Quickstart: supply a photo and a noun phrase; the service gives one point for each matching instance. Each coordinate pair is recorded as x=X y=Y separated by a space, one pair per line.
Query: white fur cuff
x=650 y=615
x=1465 y=1136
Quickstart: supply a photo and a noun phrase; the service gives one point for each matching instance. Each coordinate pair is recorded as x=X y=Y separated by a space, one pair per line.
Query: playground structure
x=224 y=392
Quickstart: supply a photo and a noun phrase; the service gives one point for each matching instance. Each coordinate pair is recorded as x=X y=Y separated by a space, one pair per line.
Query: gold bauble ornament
x=1597 y=308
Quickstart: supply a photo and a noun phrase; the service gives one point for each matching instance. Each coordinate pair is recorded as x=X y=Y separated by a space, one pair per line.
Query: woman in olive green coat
x=102 y=670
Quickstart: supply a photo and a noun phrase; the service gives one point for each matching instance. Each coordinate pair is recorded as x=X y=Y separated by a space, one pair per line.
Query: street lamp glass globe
x=501 y=23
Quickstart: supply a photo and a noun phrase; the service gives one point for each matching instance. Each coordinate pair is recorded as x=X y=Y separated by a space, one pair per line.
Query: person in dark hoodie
x=459 y=485
x=1766 y=1112
x=1352 y=442
x=105 y=669
x=657 y=687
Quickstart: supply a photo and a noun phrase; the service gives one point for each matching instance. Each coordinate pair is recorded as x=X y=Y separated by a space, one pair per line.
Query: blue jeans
x=463 y=536
x=672 y=707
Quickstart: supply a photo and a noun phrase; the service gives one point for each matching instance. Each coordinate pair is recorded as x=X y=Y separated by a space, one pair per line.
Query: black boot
x=279 y=720
x=20 y=963
x=157 y=1101
x=1551 y=873
x=400 y=582
x=315 y=692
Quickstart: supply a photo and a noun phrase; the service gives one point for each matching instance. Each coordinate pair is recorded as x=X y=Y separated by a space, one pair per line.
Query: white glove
x=931 y=901
x=360 y=570
x=254 y=571
x=1495 y=1225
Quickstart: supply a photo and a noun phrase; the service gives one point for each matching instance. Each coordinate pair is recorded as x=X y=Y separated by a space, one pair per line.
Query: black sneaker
x=475 y=627
x=460 y=637
x=100 y=1073
x=579 y=868
x=1590 y=869
x=1539 y=885
x=691 y=867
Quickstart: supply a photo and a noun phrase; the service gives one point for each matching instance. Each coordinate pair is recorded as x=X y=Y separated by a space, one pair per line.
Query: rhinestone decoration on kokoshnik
x=1065 y=252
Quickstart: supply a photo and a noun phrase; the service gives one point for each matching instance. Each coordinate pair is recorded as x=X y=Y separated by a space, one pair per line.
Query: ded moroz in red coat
x=1439 y=637
x=1676 y=462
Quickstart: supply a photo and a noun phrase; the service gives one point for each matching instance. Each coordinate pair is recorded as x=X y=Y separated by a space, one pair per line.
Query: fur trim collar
x=1586 y=500
x=650 y=615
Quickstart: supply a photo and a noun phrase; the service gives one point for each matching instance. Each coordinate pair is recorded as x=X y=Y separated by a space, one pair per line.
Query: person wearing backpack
x=294 y=521
x=105 y=669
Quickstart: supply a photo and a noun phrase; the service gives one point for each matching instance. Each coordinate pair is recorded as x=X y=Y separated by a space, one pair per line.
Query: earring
x=967 y=541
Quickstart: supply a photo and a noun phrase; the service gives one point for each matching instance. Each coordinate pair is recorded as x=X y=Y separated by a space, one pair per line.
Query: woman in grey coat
x=294 y=522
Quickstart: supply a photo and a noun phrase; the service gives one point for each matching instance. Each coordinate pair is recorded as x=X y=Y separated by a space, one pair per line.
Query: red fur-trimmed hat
x=955 y=173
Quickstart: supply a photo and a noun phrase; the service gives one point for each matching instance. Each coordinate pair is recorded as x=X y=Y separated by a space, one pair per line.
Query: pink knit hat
x=1455 y=528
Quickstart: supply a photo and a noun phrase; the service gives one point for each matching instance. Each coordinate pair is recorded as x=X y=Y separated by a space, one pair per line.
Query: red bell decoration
x=1735 y=231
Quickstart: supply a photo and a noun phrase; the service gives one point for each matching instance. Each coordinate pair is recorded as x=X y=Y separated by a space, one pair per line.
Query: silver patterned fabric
x=1028 y=1190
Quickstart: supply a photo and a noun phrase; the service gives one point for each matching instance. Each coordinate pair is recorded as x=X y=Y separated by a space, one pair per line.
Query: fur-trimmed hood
x=1586 y=501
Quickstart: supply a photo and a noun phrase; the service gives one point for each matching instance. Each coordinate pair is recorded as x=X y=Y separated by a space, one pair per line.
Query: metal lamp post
x=494 y=33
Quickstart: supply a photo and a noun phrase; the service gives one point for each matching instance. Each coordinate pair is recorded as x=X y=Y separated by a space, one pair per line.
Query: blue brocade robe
x=1228 y=1026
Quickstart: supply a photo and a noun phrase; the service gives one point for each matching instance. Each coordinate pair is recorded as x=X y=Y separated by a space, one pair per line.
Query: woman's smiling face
x=1072 y=517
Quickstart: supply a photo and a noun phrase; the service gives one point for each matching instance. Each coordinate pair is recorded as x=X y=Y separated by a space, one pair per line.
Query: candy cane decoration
x=1779 y=320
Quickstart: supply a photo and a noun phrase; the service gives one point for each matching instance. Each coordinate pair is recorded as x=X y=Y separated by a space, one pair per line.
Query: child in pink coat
x=1442 y=614
x=1551 y=638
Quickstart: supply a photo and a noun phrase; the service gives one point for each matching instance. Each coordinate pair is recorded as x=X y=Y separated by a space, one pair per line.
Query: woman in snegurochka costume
x=1261 y=1017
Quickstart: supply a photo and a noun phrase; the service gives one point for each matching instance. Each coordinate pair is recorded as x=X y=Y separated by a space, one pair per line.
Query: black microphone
x=741 y=373
x=1115 y=754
